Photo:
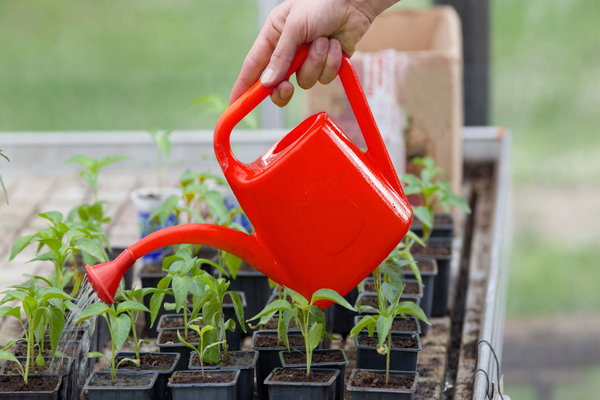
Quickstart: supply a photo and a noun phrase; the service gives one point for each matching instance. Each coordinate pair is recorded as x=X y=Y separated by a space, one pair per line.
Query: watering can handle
x=257 y=93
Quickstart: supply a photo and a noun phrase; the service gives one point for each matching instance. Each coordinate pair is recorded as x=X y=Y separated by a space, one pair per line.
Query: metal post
x=474 y=15
x=271 y=115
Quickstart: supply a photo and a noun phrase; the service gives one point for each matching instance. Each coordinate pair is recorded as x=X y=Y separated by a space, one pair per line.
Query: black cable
x=487 y=383
x=497 y=363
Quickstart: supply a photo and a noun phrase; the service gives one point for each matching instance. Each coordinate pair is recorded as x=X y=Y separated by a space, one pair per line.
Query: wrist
x=372 y=8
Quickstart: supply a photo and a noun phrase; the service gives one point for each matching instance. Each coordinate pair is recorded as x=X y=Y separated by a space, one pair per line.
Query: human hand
x=331 y=26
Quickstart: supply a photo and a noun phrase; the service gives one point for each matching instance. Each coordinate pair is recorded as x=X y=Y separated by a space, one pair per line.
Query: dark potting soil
x=402 y=325
x=177 y=322
x=233 y=360
x=11 y=368
x=122 y=380
x=430 y=250
x=299 y=375
x=409 y=288
x=273 y=341
x=170 y=337
x=300 y=358
x=152 y=269
x=149 y=362
x=425 y=390
x=196 y=377
x=274 y=322
x=424 y=266
x=44 y=383
x=371 y=380
x=397 y=343
x=22 y=350
x=372 y=301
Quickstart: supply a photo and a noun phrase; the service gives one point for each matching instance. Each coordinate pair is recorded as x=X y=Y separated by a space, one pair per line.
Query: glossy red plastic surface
x=325 y=213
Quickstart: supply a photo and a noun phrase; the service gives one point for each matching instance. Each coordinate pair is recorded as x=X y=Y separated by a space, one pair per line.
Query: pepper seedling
x=131 y=302
x=388 y=297
x=45 y=309
x=206 y=343
x=91 y=168
x=308 y=316
x=432 y=189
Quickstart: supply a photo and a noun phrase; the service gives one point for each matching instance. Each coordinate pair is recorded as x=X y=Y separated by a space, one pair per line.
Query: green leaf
x=47 y=293
x=182 y=341
x=408 y=307
x=92 y=310
x=94 y=354
x=5 y=355
x=229 y=324
x=233 y=264
x=315 y=334
x=92 y=248
x=110 y=160
x=82 y=159
x=54 y=216
x=180 y=290
x=131 y=306
x=277 y=305
x=131 y=360
x=413 y=236
x=217 y=206
x=423 y=214
x=56 y=324
x=238 y=308
x=19 y=245
x=12 y=311
x=384 y=325
x=391 y=291
x=297 y=297
x=120 y=327
x=366 y=321
x=330 y=295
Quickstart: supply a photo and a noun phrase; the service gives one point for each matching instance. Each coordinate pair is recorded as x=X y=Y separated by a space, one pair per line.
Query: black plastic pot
x=302 y=390
x=342 y=317
x=179 y=348
x=206 y=391
x=364 y=393
x=151 y=281
x=141 y=392
x=428 y=279
x=340 y=366
x=245 y=382
x=161 y=391
x=400 y=359
x=255 y=285
x=440 y=229
x=64 y=389
x=268 y=359
x=406 y=334
x=50 y=395
x=405 y=297
x=442 y=280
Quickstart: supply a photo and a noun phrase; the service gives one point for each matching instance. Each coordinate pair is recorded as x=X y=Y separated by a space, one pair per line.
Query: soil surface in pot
x=176 y=323
x=299 y=375
x=273 y=341
x=122 y=380
x=424 y=266
x=152 y=269
x=70 y=351
x=196 y=377
x=397 y=343
x=233 y=359
x=149 y=362
x=409 y=288
x=366 y=379
x=372 y=301
x=418 y=250
x=401 y=325
x=274 y=322
x=170 y=337
x=300 y=358
x=11 y=367
x=14 y=383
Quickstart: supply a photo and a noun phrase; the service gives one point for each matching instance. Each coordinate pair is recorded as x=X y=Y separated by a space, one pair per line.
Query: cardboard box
x=426 y=54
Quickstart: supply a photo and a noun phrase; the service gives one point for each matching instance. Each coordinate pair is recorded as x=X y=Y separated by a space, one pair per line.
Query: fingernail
x=285 y=93
x=322 y=44
x=334 y=46
x=268 y=76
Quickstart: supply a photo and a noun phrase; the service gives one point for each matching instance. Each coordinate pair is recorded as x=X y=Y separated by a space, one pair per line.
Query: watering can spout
x=105 y=277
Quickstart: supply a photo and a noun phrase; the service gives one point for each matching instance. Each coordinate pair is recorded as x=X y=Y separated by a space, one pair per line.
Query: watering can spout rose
x=325 y=213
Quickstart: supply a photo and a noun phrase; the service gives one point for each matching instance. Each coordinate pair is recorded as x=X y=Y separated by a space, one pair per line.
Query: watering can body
x=325 y=213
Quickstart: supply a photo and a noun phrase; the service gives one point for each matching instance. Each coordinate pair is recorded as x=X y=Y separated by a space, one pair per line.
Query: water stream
x=80 y=335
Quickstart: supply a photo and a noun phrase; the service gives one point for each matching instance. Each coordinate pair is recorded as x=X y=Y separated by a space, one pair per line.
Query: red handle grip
x=257 y=93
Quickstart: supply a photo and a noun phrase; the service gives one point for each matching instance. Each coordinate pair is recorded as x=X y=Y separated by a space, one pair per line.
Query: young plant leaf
x=330 y=295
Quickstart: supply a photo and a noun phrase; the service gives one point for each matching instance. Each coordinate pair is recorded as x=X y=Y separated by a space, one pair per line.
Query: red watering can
x=325 y=213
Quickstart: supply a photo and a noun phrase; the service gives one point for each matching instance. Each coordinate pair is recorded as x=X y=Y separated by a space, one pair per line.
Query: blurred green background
x=113 y=65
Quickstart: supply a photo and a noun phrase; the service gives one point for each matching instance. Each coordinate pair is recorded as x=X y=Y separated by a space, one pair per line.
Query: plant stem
x=387 y=361
x=222 y=332
x=136 y=346
x=29 y=350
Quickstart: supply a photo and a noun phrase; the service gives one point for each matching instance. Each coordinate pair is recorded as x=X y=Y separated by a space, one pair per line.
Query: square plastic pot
x=406 y=334
x=64 y=389
x=145 y=392
x=442 y=280
x=340 y=366
x=443 y=226
x=206 y=391
x=161 y=391
x=405 y=297
x=245 y=382
x=50 y=395
x=400 y=359
x=360 y=393
x=302 y=390
x=428 y=279
x=268 y=360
